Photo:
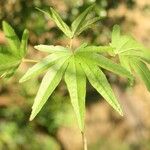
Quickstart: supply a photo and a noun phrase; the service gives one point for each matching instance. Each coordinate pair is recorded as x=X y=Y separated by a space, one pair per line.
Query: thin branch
x=84 y=141
x=71 y=43
x=29 y=61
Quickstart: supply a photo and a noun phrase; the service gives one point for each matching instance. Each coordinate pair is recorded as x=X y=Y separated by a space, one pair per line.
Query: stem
x=84 y=141
x=29 y=61
x=71 y=43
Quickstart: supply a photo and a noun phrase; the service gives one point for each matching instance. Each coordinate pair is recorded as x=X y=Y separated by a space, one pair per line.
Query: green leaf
x=107 y=64
x=142 y=70
x=7 y=61
x=77 y=23
x=98 y=49
x=123 y=43
x=8 y=64
x=131 y=44
x=125 y=62
x=24 y=42
x=87 y=24
x=10 y=72
x=76 y=84
x=48 y=85
x=143 y=54
x=115 y=35
x=42 y=66
x=51 y=48
x=59 y=22
x=99 y=81
x=12 y=38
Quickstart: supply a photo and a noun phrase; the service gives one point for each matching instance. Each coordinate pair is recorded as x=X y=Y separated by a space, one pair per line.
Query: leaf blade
x=40 y=67
x=58 y=20
x=76 y=84
x=75 y=26
x=48 y=85
x=51 y=48
x=24 y=43
x=12 y=38
x=142 y=70
x=87 y=24
x=99 y=81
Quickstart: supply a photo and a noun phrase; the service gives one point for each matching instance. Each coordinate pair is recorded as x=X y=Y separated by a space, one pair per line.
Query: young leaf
x=48 y=85
x=12 y=38
x=51 y=48
x=99 y=81
x=123 y=43
x=24 y=42
x=76 y=84
x=42 y=66
x=59 y=22
x=87 y=24
x=130 y=44
x=75 y=26
x=142 y=70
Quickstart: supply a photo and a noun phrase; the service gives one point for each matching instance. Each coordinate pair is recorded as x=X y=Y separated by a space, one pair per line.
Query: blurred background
x=55 y=128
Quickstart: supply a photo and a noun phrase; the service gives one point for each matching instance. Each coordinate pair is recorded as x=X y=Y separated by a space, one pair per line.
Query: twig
x=84 y=141
x=71 y=43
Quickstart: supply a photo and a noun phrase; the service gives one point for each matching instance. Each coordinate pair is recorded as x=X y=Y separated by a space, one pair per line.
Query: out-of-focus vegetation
x=53 y=129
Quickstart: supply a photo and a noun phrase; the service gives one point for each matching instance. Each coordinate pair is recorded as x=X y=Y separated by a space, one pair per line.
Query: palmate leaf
x=123 y=43
x=76 y=84
x=59 y=22
x=132 y=55
x=99 y=81
x=12 y=54
x=77 y=23
x=48 y=85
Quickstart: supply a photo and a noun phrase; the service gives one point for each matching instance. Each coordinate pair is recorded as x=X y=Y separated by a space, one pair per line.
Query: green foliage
x=78 y=25
x=12 y=54
x=132 y=55
x=75 y=65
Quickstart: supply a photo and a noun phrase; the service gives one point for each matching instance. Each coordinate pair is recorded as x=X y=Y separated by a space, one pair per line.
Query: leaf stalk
x=84 y=141
x=29 y=61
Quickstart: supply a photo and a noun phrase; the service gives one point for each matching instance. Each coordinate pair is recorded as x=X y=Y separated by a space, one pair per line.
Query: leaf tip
x=21 y=80
x=31 y=118
x=120 y=111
